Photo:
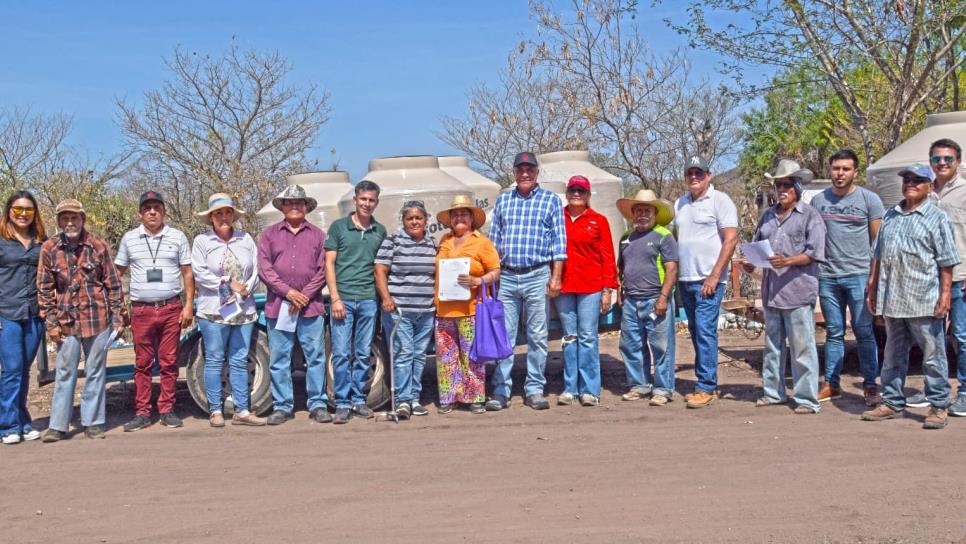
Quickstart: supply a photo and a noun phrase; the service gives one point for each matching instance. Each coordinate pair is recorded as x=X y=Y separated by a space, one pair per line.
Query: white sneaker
x=32 y=434
x=12 y=438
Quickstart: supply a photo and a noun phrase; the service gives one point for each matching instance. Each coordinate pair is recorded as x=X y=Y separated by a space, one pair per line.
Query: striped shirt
x=167 y=251
x=412 y=270
x=528 y=231
x=910 y=248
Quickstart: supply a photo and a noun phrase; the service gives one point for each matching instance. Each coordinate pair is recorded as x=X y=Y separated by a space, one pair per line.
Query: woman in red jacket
x=589 y=278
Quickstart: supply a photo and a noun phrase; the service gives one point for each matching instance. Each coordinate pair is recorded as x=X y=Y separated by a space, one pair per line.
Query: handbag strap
x=482 y=293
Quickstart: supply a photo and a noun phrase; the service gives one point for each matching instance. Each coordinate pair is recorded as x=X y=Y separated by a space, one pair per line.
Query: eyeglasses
x=17 y=210
x=939 y=159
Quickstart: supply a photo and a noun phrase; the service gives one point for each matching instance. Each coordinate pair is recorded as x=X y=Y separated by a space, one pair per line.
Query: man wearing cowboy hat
x=81 y=301
x=648 y=271
x=291 y=264
x=796 y=233
x=159 y=258
x=910 y=286
x=706 y=222
x=529 y=233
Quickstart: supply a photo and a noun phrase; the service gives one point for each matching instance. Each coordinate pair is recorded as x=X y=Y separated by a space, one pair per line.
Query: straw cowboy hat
x=463 y=201
x=665 y=210
x=218 y=201
x=790 y=169
x=295 y=192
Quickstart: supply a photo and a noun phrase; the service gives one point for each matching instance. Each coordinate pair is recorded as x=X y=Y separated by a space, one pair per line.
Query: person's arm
x=251 y=282
x=382 y=286
x=874 y=229
x=112 y=288
x=200 y=271
x=667 y=288
x=47 y=294
x=188 y=282
x=728 y=245
x=268 y=275
x=609 y=264
x=945 y=290
x=122 y=260
x=312 y=288
x=558 y=247
x=335 y=301
x=872 y=286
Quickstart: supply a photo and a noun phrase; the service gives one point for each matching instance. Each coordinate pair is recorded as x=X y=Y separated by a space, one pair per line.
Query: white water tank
x=409 y=178
x=882 y=175
x=484 y=189
x=558 y=167
x=325 y=187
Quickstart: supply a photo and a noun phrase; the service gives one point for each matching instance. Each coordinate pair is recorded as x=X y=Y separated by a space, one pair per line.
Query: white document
x=230 y=310
x=449 y=272
x=114 y=334
x=286 y=319
x=757 y=253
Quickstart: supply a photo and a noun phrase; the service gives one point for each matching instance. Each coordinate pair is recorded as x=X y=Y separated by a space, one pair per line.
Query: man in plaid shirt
x=80 y=301
x=529 y=234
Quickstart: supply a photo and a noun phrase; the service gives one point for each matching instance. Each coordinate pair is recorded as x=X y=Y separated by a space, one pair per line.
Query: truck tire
x=377 y=385
x=259 y=377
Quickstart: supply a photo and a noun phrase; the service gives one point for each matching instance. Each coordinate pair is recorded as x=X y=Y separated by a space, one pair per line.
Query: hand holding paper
x=757 y=253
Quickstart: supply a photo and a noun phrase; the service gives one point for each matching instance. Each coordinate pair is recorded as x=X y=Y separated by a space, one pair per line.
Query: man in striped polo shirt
x=529 y=234
x=159 y=258
x=910 y=284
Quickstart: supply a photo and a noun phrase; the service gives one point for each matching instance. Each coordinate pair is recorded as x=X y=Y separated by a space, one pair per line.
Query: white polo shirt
x=698 y=224
x=166 y=251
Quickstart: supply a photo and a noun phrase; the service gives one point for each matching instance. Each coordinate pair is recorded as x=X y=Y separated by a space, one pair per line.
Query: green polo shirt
x=357 y=251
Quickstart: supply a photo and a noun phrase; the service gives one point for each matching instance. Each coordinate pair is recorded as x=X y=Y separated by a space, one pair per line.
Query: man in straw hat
x=796 y=234
x=648 y=265
x=706 y=222
x=529 y=234
x=80 y=301
x=350 y=255
x=910 y=286
x=159 y=258
x=291 y=264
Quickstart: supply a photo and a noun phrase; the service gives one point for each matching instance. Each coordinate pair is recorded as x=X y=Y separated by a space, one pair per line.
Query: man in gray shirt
x=852 y=216
x=797 y=236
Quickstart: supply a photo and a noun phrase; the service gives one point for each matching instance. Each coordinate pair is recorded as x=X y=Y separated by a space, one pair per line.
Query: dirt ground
x=621 y=472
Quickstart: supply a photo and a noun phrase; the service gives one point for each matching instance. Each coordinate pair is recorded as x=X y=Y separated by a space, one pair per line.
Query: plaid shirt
x=529 y=231
x=79 y=289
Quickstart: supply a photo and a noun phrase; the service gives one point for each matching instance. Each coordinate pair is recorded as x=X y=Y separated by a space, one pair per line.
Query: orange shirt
x=483 y=257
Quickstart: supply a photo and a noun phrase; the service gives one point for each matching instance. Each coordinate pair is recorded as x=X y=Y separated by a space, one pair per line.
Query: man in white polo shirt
x=159 y=258
x=706 y=222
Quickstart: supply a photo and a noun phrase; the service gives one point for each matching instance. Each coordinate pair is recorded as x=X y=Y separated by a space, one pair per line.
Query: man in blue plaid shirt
x=529 y=234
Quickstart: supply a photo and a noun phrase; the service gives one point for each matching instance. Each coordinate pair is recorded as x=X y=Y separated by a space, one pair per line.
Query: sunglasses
x=577 y=190
x=784 y=185
x=914 y=180
x=17 y=210
x=939 y=159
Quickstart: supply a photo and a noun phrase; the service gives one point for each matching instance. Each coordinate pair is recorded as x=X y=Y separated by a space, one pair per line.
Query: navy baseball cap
x=525 y=158
x=150 y=195
x=918 y=170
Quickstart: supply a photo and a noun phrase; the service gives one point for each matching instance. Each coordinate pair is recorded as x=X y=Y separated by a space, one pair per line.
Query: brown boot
x=880 y=413
x=827 y=393
x=699 y=399
x=936 y=419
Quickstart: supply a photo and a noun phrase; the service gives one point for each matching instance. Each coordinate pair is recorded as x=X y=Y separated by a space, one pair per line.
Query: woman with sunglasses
x=589 y=278
x=21 y=234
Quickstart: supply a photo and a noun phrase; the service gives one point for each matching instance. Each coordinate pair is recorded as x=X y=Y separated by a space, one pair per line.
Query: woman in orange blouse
x=460 y=379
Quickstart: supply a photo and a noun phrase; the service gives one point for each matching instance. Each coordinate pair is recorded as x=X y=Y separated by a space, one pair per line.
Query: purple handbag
x=490 y=341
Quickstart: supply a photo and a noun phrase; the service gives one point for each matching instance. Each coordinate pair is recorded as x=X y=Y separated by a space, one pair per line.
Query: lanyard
x=154 y=254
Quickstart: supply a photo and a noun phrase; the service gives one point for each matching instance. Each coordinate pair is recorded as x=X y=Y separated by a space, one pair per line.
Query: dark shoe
x=477 y=408
x=936 y=419
x=361 y=410
x=827 y=393
x=279 y=416
x=136 y=424
x=872 y=396
x=445 y=408
x=53 y=435
x=95 y=431
x=917 y=401
x=321 y=415
x=342 y=415
x=537 y=402
x=419 y=410
x=495 y=404
x=403 y=411
x=170 y=419
x=880 y=413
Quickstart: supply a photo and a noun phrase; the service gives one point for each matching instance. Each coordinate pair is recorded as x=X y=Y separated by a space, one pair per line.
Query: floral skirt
x=460 y=379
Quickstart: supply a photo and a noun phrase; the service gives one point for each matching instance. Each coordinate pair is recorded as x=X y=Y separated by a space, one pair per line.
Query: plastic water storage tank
x=409 y=178
x=882 y=175
x=325 y=187
x=558 y=167
x=484 y=189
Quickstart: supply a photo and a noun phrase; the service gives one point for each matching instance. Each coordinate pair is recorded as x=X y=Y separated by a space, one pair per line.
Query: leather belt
x=159 y=303
x=523 y=269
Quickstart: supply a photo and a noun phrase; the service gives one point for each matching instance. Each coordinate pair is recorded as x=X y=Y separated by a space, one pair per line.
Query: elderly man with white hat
x=648 y=270
x=796 y=234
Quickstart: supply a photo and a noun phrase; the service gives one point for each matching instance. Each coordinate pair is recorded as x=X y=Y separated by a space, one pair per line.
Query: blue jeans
x=644 y=340
x=797 y=327
x=311 y=336
x=957 y=317
x=19 y=341
x=527 y=291
x=223 y=340
x=579 y=314
x=350 y=380
x=927 y=333
x=65 y=378
x=835 y=295
x=702 y=316
x=409 y=351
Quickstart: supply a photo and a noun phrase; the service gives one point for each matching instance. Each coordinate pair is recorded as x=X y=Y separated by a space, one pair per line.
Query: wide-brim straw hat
x=665 y=210
x=790 y=169
x=463 y=201
x=218 y=201
x=294 y=192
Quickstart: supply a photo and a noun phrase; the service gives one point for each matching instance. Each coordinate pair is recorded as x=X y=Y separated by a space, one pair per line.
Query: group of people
x=843 y=250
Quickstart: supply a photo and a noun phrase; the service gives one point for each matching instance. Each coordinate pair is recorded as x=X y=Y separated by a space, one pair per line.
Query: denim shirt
x=18 y=280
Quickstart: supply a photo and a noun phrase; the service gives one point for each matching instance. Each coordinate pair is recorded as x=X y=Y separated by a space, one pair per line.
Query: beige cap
x=70 y=205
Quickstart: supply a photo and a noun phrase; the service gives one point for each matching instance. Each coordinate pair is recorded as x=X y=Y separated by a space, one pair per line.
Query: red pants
x=156 y=333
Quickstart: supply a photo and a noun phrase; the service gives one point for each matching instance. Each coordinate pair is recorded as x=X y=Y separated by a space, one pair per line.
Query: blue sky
x=393 y=68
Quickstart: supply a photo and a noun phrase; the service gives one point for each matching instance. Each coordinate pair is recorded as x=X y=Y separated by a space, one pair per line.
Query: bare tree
x=31 y=146
x=228 y=123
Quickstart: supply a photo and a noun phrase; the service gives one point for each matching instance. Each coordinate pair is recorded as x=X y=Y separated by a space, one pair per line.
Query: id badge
x=155 y=275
